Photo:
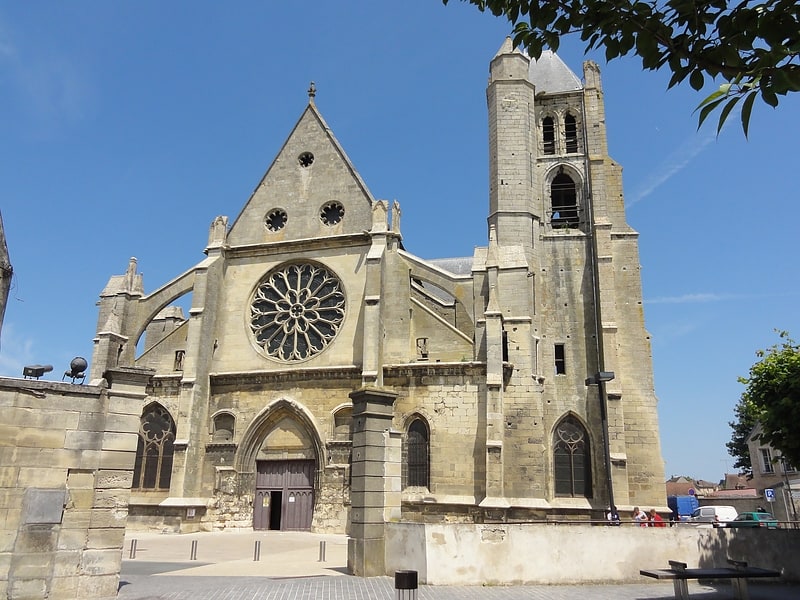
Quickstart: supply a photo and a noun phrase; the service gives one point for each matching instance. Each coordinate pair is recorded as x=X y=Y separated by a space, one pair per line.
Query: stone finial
x=133 y=281
x=218 y=231
x=492 y=252
x=312 y=92
x=591 y=75
x=396 y=216
x=380 y=210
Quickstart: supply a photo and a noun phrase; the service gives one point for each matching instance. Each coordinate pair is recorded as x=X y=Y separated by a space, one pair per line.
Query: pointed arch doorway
x=285 y=463
x=284 y=498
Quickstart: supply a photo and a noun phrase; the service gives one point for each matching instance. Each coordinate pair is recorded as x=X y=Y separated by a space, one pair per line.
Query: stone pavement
x=289 y=569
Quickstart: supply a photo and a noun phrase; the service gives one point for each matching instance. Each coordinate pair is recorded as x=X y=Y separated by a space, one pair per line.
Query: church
x=516 y=384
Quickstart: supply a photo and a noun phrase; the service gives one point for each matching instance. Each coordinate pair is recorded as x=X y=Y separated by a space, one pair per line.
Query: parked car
x=755 y=519
x=716 y=516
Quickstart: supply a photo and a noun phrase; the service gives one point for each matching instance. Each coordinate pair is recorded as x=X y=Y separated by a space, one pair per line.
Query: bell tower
x=512 y=151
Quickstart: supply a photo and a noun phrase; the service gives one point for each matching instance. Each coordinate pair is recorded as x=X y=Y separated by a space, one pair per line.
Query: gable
x=311 y=190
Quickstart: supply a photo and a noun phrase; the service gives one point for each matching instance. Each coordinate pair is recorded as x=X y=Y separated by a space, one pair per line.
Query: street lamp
x=599 y=379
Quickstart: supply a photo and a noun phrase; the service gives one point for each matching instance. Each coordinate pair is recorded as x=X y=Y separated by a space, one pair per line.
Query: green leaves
x=772 y=398
x=696 y=79
x=755 y=48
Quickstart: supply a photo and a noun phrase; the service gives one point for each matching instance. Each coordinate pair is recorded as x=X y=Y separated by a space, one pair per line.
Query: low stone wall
x=504 y=554
x=67 y=454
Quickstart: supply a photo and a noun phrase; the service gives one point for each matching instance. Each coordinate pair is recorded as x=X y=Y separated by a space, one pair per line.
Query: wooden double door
x=284 y=498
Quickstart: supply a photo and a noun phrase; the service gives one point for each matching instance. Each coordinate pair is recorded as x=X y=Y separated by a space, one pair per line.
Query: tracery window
x=296 y=311
x=418 y=454
x=573 y=474
x=155 y=449
x=564 y=202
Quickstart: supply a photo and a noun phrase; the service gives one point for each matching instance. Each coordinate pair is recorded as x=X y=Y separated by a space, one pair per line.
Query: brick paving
x=289 y=569
x=382 y=588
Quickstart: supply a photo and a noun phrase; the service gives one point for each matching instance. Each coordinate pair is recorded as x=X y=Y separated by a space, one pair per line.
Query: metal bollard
x=257 y=551
x=405 y=585
x=133 y=549
x=193 y=555
x=322 y=548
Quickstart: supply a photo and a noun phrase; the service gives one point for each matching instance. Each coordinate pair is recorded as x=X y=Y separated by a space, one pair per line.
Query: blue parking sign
x=769 y=494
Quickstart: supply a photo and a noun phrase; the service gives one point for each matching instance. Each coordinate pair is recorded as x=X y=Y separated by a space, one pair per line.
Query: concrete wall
x=67 y=454
x=498 y=554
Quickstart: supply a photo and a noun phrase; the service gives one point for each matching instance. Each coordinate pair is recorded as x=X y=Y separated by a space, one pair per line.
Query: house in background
x=771 y=471
x=686 y=486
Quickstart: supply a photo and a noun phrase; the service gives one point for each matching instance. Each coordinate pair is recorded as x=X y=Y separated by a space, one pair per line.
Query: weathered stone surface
x=114 y=479
x=101 y=561
x=102 y=587
x=27 y=589
x=8 y=476
x=457 y=380
x=109 y=518
x=49 y=546
x=105 y=538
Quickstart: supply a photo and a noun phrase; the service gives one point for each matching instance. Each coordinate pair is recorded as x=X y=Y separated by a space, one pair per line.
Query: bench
x=738 y=573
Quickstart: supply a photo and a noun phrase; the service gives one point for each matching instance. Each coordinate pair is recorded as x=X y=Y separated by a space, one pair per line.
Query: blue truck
x=682 y=506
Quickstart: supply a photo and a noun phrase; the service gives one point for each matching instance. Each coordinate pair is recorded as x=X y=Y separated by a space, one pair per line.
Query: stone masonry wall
x=490 y=554
x=66 y=464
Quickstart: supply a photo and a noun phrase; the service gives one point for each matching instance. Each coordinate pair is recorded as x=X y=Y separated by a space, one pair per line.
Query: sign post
x=769 y=494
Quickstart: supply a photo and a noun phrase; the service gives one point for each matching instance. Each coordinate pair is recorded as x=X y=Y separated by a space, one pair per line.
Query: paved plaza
x=289 y=568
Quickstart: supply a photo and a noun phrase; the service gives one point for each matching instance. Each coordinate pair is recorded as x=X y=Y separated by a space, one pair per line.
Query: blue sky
x=126 y=127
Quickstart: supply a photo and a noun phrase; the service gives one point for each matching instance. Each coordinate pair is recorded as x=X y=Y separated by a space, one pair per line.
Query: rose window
x=297 y=311
x=332 y=213
x=275 y=220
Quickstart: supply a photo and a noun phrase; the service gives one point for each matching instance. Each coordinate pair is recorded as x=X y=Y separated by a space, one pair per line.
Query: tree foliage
x=742 y=427
x=752 y=47
x=772 y=398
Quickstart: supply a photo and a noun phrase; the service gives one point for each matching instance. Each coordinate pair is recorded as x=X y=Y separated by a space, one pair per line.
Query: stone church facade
x=309 y=297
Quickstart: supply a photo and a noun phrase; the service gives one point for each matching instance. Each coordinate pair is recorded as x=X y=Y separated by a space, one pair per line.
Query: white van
x=717 y=516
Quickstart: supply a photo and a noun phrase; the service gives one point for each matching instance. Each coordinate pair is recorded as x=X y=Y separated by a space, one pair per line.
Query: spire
x=506 y=48
x=5 y=272
x=508 y=64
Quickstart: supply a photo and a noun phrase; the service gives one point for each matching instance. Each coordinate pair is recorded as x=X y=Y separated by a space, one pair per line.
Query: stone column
x=370 y=496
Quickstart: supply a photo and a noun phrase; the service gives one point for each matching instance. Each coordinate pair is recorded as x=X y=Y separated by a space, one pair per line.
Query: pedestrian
x=639 y=517
x=655 y=519
x=613 y=516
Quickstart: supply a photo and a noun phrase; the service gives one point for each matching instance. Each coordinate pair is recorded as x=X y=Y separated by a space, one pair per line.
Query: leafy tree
x=772 y=398
x=742 y=427
x=753 y=47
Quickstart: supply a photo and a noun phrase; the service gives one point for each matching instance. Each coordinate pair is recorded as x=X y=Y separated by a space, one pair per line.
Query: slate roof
x=550 y=75
x=457 y=266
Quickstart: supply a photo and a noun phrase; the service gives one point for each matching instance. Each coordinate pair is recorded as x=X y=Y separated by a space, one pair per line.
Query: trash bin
x=405 y=585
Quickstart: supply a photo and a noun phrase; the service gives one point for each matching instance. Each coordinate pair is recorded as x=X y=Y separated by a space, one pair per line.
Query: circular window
x=306 y=159
x=296 y=311
x=275 y=219
x=332 y=213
